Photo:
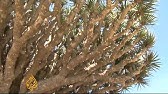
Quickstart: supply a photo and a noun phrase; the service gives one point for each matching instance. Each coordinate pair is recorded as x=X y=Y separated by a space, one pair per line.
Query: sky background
x=158 y=83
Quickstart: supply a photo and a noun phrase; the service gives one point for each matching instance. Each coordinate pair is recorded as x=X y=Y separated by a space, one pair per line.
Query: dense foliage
x=76 y=46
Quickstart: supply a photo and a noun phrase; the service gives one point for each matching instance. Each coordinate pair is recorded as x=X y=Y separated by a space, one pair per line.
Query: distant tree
x=75 y=46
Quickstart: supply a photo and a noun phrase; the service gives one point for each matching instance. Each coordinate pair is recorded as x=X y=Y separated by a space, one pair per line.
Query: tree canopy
x=76 y=46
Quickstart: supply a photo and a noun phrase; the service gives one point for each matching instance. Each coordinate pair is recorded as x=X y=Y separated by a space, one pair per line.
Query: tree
x=76 y=45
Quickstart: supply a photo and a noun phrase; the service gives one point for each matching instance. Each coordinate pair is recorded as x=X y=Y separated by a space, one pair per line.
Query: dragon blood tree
x=75 y=46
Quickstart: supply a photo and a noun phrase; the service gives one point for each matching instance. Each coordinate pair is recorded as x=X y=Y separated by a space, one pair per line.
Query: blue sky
x=158 y=83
